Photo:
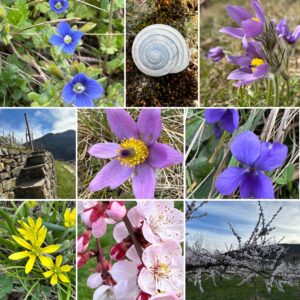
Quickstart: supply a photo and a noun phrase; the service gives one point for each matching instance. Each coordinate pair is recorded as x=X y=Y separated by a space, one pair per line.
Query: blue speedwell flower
x=82 y=90
x=223 y=119
x=59 y=6
x=255 y=157
x=67 y=39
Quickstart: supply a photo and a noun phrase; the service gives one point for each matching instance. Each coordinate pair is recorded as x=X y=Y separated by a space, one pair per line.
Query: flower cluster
x=146 y=263
x=32 y=237
x=81 y=90
x=138 y=154
x=262 y=40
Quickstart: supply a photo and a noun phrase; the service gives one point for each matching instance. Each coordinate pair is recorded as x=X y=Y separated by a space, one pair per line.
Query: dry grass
x=93 y=128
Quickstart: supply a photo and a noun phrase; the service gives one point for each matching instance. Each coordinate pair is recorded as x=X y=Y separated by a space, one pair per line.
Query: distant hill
x=61 y=145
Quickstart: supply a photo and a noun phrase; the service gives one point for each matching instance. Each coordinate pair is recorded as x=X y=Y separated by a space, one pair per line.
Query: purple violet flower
x=138 y=153
x=67 y=39
x=82 y=90
x=223 y=119
x=255 y=157
x=215 y=54
x=251 y=25
x=284 y=32
x=59 y=6
x=253 y=65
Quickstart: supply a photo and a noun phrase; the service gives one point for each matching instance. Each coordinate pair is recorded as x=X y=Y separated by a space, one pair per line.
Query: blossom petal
x=64 y=278
x=241 y=74
x=296 y=33
x=94 y=280
x=47 y=274
x=50 y=249
x=94 y=88
x=83 y=100
x=229 y=180
x=272 y=156
x=56 y=40
x=69 y=48
x=252 y=28
x=66 y=268
x=246 y=148
x=230 y=120
x=259 y=10
x=54 y=279
x=243 y=61
x=149 y=125
x=143 y=182
x=112 y=175
x=19 y=255
x=99 y=228
x=147 y=282
x=68 y=94
x=238 y=13
x=30 y=263
x=261 y=71
x=22 y=242
x=256 y=185
x=121 y=123
x=63 y=28
x=101 y=291
x=104 y=150
x=124 y=269
x=212 y=115
x=46 y=261
x=58 y=261
x=235 y=32
x=162 y=156
x=120 y=232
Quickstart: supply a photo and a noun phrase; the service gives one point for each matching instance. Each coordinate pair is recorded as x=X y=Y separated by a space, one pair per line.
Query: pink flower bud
x=99 y=228
x=83 y=258
x=83 y=241
x=118 y=251
x=143 y=296
x=116 y=210
x=94 y=280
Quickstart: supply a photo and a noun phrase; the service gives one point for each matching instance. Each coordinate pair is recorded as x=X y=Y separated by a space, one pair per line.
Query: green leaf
x=201 y=167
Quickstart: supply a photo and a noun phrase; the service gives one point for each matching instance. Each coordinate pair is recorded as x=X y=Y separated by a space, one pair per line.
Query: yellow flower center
x=256 y=62
x=255 y=19
x=133 y=152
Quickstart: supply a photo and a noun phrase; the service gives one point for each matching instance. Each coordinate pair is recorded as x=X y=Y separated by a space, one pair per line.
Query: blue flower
x=284 y=32
x=223 y=119
x=255 y=157
x=215 y=54
x=59 y=6
x=82 y=90
x=67 y=39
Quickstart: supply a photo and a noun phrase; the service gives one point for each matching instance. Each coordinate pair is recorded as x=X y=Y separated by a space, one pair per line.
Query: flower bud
x=99 y=228
x=118 y=251
x=143 y=296
x=83 y=241
x=116 y=210
x=94 y=280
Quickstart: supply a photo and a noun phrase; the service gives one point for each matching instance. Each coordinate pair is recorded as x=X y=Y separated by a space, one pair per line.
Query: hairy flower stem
x=276 y=91
x=269 y=94
x=133 y=237
x=288 y=92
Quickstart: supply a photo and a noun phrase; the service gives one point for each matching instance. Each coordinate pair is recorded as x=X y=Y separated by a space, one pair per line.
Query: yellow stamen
x=256 y=62
x=133 y=152
x=255 y=19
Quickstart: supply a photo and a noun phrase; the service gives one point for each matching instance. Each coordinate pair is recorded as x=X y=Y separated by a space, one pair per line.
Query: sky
x=41 y=121
x=216 y=234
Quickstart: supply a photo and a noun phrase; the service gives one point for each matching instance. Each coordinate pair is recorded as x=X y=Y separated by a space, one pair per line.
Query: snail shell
x=160 y=49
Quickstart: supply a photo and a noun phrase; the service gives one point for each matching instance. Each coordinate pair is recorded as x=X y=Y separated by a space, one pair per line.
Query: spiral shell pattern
x=160 y=49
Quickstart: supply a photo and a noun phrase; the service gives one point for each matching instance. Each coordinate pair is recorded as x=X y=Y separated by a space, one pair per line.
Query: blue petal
x=234 y=32
x=76 y=36
x=256 y=185
x=230 y=120
x=56 y=40
x=229 y=180
x=246 y=148
x=218 y=131
x=68 y=48
x=64 y=29
x=252 y=28
x=83 y=100
x=213 y=115
x=80 y=77
x=272 y=156
x=68 y=94
x=238 y=13
x=259 y=10
x=64 y=3
x=94 y=89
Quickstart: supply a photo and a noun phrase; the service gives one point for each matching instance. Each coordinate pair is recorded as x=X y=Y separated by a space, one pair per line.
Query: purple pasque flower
x=59 y=6
x=215 y=54
x=284 y=32
x=253 y=65
x=137 y=154
x=82 y=90
x=255 y=158
x=67 y=39
x=223 y=119
x=250 y=25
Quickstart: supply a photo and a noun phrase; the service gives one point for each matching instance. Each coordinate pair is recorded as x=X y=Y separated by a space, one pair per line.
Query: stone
x=16 y=171
x=9 y=185
x=5 y=175
x=8 y=160
x=1 y=167
x=13 y=152
x=4 y=152
x=1 y=189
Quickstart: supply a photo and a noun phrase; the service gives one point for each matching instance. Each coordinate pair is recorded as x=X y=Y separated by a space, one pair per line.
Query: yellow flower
x=70 y=217
x=57 y=271
x=31 y=203
x=36 y=235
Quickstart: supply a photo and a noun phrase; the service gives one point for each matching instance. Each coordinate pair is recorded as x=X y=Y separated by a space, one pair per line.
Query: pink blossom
x=116 y=210
x=163 y=269
x=83 y=241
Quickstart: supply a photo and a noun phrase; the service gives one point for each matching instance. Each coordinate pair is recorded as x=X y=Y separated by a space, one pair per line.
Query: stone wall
x=26 y=175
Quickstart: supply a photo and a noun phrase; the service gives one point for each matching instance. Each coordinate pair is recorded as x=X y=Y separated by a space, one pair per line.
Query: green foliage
x=33 y=72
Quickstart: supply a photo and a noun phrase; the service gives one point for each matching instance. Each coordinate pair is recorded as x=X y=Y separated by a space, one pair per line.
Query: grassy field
x=215 y=89
x=66 y=181
x=228 y=290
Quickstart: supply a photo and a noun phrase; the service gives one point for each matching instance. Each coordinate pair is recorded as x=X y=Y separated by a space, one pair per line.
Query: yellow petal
x=39 y=223
x=66 y=268
x=58 y=261
x=41 y=236
x=46 y=261
x=48 y=273
x=64 y=278
x=31 y=222
x=22 y=242
x=67 y=213
x=50 y=249
x=22 y=231
x=30 y=263
x=19 y=255
x=53 y=279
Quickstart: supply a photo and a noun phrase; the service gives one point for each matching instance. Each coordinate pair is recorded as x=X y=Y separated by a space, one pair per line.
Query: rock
x=16 y=171
x=13 y=152
x=1 y=189
x=8 y=160
x=9 y=185
x=5 y=175
x=1 y=167
x=4 y=152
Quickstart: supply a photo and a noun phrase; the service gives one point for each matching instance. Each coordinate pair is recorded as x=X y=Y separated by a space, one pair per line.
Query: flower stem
x=133 y=237
x=276 y=91
x=288 y=92
x=269 y=94
x=100 y=256
x=218 y=148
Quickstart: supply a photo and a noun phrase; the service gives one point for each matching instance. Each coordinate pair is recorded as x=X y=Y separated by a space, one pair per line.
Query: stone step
x=34 y=160
x=33 y=172
x=31 y=189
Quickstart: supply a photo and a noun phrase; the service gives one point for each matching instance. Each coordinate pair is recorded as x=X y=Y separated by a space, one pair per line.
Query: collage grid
x=184 y=186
